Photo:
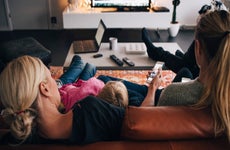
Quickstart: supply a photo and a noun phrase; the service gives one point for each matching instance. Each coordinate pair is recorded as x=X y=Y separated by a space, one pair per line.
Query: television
x=123 y=5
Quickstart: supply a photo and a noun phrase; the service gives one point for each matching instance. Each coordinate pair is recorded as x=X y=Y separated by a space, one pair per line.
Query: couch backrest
x=167 y=123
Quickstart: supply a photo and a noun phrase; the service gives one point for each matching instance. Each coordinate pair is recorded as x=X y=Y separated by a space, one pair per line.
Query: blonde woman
x=31 y=100
x=212 y=87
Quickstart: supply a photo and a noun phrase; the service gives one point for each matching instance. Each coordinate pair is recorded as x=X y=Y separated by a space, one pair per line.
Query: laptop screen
x=100 y=32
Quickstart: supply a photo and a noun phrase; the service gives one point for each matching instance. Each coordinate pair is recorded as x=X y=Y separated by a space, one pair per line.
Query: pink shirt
x=71 y=93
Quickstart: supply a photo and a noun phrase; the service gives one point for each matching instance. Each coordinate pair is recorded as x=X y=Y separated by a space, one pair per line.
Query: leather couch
x=163 y=128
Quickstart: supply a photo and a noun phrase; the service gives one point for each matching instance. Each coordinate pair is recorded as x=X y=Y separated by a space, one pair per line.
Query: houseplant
x=174 y=24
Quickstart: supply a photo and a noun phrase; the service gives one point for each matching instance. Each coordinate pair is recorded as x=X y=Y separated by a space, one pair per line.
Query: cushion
x=25 y=46
x=167 y=123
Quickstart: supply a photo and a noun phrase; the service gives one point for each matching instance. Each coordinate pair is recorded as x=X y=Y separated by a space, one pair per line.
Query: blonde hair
x=115 y=92
x=19 y=87
x=213 y=32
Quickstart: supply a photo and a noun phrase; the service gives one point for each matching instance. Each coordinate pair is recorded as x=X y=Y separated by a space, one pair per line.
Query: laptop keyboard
x=89 y=44
x=83 y=46
x=78 y=46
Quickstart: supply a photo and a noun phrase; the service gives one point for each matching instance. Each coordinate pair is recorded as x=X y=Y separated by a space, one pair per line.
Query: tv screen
x=120 y=3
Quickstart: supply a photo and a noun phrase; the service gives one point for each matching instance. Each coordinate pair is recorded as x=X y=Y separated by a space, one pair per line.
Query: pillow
x=24 y=46
x=167 y=123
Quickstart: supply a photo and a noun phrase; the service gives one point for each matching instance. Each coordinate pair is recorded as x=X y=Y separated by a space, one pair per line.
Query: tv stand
x=122 y=9
x=132 y=9
x=113 y=18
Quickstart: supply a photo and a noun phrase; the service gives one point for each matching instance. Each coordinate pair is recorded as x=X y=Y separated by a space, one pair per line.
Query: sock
x=155 y=53
x=179 y=53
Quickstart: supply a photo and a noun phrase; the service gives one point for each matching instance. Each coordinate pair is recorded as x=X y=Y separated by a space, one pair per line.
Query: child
x=79 y=82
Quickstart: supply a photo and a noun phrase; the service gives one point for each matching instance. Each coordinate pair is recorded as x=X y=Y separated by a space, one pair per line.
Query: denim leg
x=142 y=89
x=73 y=71
x=88 y=72
x=135 y=98
x=157 y=95
x=106 y=79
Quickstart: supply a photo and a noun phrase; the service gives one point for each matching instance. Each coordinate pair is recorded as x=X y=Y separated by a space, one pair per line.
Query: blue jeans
x=77 y=70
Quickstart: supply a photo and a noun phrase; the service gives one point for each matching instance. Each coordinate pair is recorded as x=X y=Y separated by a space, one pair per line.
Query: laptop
x=91 y=45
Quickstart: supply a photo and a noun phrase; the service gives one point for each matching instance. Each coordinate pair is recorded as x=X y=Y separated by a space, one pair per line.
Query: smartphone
x=154 y=71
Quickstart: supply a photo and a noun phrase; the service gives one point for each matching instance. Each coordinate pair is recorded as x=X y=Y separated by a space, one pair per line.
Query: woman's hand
x=153 y=86
x=155 y=83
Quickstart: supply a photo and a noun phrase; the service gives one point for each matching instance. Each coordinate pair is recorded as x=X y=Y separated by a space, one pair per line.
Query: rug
x=136 y=76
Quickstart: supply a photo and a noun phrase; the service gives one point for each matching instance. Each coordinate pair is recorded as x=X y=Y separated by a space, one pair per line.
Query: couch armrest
x=167 y=123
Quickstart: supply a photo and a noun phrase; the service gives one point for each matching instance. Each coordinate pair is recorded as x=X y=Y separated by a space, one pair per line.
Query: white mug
x=113 y=43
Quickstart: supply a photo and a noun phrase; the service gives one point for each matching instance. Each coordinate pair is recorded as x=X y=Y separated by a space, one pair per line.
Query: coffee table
x=142 y=61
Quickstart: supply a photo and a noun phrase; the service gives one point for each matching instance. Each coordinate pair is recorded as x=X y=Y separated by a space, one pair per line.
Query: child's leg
x=73 y=71
x=135 y=98
x=157 y=95
x=88 y=72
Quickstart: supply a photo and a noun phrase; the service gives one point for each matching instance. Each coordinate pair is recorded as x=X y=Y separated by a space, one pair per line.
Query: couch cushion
x=167 y=123
x=25 y=46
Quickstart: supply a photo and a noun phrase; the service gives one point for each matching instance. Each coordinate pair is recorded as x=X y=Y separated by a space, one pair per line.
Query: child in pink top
x=73 y=92
x=79 y=82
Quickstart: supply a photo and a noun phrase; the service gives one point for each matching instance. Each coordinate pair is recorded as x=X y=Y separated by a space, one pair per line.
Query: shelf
x=89 y=18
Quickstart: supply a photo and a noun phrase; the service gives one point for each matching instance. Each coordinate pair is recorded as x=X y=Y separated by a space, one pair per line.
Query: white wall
x=56 y=7
x=31 y=14
x=4 y=21
x=187 y=11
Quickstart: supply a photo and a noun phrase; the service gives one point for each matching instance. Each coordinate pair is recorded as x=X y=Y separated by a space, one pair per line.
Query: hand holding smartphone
x=154 y=72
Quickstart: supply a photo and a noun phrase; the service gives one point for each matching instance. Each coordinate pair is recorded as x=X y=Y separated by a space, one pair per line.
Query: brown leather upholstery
x=182 y=128
x=196 y=144
x=167 y=123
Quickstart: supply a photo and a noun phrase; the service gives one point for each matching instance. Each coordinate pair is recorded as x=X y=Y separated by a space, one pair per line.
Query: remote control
x=128 y=61
x=97 y=55
x=116 y=60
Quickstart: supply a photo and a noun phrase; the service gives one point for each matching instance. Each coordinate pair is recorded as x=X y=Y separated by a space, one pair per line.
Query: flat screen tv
x=122 y=4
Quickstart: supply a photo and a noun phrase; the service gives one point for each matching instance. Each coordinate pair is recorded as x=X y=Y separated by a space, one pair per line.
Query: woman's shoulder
x=181 y=93
x=189 y=84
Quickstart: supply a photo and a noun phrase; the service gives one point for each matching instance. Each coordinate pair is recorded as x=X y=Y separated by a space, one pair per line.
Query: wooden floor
x=59 y=41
